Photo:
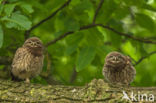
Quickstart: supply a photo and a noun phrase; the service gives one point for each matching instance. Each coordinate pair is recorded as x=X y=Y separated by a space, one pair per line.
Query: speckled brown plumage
x=118 y=69
x=28 y=59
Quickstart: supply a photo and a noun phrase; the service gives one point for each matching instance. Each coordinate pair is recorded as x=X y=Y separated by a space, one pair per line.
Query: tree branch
x=27 y=33
x=97 y=91
x=143 y=40
x=144 y=57
x=97 y=10
x=68 y=33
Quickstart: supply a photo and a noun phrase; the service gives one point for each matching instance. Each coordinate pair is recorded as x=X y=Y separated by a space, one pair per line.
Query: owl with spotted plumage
x=28 y=60
x=118 y=69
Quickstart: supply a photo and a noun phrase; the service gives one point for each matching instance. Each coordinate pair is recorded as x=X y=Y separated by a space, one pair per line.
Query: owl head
x=33 y=42
x=115 y=59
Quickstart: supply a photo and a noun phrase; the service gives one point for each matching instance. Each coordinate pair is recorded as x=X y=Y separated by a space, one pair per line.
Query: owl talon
x=27 y=80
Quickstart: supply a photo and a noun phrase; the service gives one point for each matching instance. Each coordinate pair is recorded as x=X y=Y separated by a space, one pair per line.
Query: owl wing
x=18 y=63
x=20 y=52
x=130 y=73
x=106 y=74
x=133 y=71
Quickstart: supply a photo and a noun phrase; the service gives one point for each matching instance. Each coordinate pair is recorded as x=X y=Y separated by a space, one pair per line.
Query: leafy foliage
x=85 y=57
x=17 y=21
x=79 y=57
x=1 y=36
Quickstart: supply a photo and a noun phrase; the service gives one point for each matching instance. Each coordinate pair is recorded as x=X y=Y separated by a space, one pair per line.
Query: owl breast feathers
x=118 y=69
x=28 y=59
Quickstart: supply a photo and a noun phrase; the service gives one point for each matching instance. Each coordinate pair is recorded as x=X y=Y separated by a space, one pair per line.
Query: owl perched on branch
x=118 y=69
x=28 y=59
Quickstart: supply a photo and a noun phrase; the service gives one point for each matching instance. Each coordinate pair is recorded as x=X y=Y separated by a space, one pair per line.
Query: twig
x=59 y=38
x=127 y=35
x=103 y=26
x=27 y=33
x=144 y=57
x=151 y=38
x=132 y=59
x=68 y=33
x=74 y=75
x=97 y=10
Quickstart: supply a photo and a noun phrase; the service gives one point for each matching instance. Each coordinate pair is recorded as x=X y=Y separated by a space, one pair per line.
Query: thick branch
x=27 y=33
x=144 y=57
x=96 y=91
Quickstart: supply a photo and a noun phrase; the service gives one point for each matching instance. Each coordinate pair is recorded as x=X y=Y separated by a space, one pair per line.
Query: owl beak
x=33 y=43
x=115 y=58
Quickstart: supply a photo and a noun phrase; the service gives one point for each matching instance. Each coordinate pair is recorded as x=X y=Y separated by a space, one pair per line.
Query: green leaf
x=149 y=7
x=56 y=3
x=145 y=21
x=59 y=25
x=1 y=9
x=66 y=23
x=106 y=11
x=71 y=25
x=85 y=57
x=115 y=39
x=26 y=7
x=17 y=21
x=121 y=12
x=75 y=38
x=11 y=1
x=73 y=42
x=82 y=6
x=57 y=34
x=83 y=10
x=74 y=3
x=133 y=2
x=1 y=36
x=92 y=35
x=8 y=9
x=70 y=49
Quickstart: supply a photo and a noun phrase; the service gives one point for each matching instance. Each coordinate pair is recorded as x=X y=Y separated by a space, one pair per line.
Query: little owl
x=118 y=69
x=28 y=59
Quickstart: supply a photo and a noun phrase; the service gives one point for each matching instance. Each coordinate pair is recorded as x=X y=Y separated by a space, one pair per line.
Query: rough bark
x=97 y=91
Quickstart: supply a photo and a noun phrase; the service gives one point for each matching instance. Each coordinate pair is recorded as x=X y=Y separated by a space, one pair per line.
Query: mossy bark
x=97 y=91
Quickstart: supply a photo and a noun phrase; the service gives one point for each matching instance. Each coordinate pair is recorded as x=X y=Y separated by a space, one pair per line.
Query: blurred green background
x=78 y=58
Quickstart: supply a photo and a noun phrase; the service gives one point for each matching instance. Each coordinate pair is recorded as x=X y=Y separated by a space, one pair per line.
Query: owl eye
x=111 y=56
x=29 y=42
x=119 y=56
x=38 y=42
